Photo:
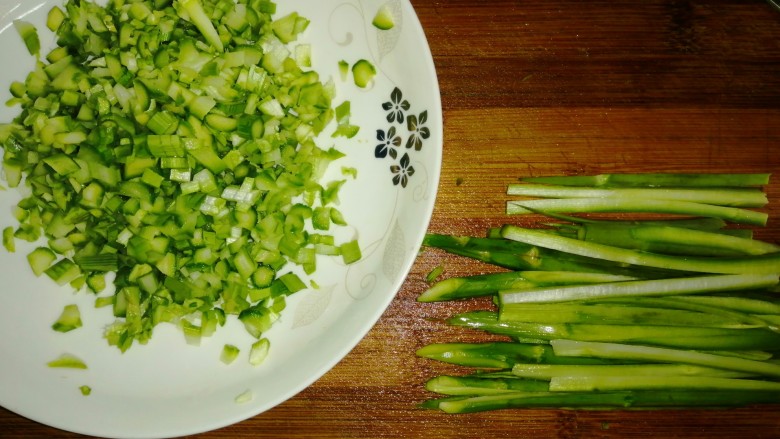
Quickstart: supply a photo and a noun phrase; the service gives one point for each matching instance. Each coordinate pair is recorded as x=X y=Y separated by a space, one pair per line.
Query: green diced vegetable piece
x=98 y=262
x=229 y=353
x=363 y=73
x=62 y=164
x=152 y=178
x=30 y=36
x=343 y=70
x=202 y=21
x=346 y=130
x=63 y=271
x=244 y=397
x=257 y=320
x=349 y=171
x=350 y=252
x=292 y=282
x=288 y=27
x=96 y=282
x=41 y=259
x=263 y=276
x=8 y=239
x=259 y=351
x=67 y=361
x=85 y=390
x=69 y=320
x=435 y=273
x=384 y=19
x=321 y=218
x=55 y=18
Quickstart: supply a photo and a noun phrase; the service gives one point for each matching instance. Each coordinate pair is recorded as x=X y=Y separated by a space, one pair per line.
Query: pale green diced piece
x=384 y=19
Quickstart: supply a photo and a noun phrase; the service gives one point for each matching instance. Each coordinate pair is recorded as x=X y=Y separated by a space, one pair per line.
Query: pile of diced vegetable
x=636 y=291
x=171 y=143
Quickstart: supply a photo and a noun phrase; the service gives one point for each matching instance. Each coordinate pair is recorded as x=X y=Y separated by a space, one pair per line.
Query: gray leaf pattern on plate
x=312 y=306
x=388 y=39
x=392 y=262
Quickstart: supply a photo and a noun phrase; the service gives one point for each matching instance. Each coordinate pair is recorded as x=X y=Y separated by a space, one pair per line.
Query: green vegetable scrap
x=229 y=353
x=434 y=273
x=363 y=73
x=384 y=19
x=29 y=35
x=67 y=361
x=244 y=397
x=173 y=144
x=69 y=320
x=609 y=313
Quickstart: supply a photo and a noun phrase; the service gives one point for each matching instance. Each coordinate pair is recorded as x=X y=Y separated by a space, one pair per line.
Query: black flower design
x=418 y=131
x=396 y=106
x=391 y=139
x=387 y=143
x=402 y=171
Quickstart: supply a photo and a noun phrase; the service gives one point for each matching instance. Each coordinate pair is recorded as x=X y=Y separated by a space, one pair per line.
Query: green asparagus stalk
x=657 y=180
x=665 y=355
x=631 y=205
x=608 y=226
x=667 y=239
x=642 y=288
x=515 y=255
x=453 y=385
x=736 y=197
x=762 y=264
x=704 y=223
x=721 y=314
x=737 y=304
x=550 y=371
x=682 y=337
x=612 y=383
x=602 y=400
x=487 y=284
x=500 y=355
x=616 y=314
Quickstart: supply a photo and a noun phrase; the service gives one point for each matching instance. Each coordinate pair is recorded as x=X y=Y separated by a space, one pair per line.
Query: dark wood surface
x=552 y=87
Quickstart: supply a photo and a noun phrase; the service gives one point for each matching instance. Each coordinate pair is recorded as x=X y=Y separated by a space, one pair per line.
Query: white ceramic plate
x=168 y=388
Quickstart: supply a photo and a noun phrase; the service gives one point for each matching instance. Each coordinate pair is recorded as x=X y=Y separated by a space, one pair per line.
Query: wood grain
x=541 y=88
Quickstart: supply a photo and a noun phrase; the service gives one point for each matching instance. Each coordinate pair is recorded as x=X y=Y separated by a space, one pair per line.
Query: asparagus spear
x=735 y=197
x=719 y=311
x=617 y=314
x=502 y=355
x=488 y=284
x=657 y=180
x=642 y=205
x=668 y=239
x=452 y=385
x=737 y=304
x=642 y=288
x=608 y=226
x=602 y=400
x=666 y=355
x=683 y=337
x=516 y=255
x=609 y=383
x=550 y=371
x=762 y=264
